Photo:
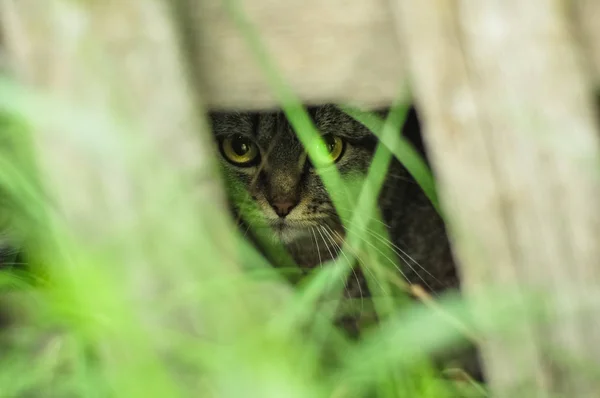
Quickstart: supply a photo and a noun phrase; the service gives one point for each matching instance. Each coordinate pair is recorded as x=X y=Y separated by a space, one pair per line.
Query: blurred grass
x=83 y=329
x=82 y=334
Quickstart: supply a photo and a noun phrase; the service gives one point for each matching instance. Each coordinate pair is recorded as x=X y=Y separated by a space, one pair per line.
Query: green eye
x=239 y=150
x=335 y=146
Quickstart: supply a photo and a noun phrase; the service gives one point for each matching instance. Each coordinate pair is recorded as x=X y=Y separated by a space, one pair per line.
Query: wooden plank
x=334 y=51
x=510 y=125
x=329 y=51
x=586 y=26
x=123 y=59
x=118 y=66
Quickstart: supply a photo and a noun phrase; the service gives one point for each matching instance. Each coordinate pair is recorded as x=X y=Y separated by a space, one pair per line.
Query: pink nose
x=283 y=208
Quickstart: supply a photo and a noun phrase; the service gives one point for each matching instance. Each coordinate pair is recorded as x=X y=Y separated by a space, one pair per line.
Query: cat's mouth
x=289 y=231
x=283 y=225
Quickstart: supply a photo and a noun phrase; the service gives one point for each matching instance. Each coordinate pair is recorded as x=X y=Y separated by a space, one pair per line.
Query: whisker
x=247 y=229
x=317 y=246
x=365 y=266
x=403 y=256
x=399 y=251
x=360 y=292
x=391 y=261
x=324 y=241
x=326 y=245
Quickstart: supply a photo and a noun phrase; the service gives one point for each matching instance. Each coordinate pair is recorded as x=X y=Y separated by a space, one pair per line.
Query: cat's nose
x=284 y=207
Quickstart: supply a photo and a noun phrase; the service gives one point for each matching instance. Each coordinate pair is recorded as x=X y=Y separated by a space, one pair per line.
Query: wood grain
x=509 y=122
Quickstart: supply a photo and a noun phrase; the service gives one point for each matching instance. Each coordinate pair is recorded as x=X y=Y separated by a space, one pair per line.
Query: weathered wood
x=128 y=107
x=503 y=87
x=335 y=51
x=119 y=58
x=586 y=16
x=340 y=50
x=510 y=125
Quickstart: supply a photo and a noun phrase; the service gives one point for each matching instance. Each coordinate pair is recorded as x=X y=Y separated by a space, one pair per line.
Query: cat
x=264 y=162
x=260 y=152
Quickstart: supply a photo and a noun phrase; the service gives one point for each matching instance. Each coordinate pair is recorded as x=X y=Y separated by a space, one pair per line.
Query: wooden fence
x=506 y=91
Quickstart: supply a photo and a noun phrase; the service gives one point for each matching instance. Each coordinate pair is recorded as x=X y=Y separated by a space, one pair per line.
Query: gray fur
x=414 y=225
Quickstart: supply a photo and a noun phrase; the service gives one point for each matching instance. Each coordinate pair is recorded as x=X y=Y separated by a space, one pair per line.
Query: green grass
x=213 y=329
x=168 y=307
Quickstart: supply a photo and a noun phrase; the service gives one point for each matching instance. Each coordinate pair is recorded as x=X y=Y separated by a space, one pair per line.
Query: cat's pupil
x=240 y=146
x=330 y=143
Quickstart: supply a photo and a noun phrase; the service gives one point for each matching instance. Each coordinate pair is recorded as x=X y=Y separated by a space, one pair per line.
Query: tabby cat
x=261 y=153
x=264 y=161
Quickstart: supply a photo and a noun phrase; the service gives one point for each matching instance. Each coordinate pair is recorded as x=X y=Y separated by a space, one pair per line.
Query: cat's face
x=262 y=157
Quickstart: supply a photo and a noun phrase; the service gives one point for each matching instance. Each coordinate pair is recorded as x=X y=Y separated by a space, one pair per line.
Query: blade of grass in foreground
x=294 y=111
x=341 y=194
x=364 y=213
x=402 y=150
x=308 y=135
x=417 y=332
x=172 y=241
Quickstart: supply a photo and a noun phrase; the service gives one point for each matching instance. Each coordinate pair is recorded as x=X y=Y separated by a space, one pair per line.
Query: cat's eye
x=240 y=150
x=335 y=146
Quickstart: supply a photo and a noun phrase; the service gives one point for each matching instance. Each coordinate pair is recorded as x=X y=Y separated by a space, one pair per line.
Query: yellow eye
x=335 y=146
x=240 y=150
